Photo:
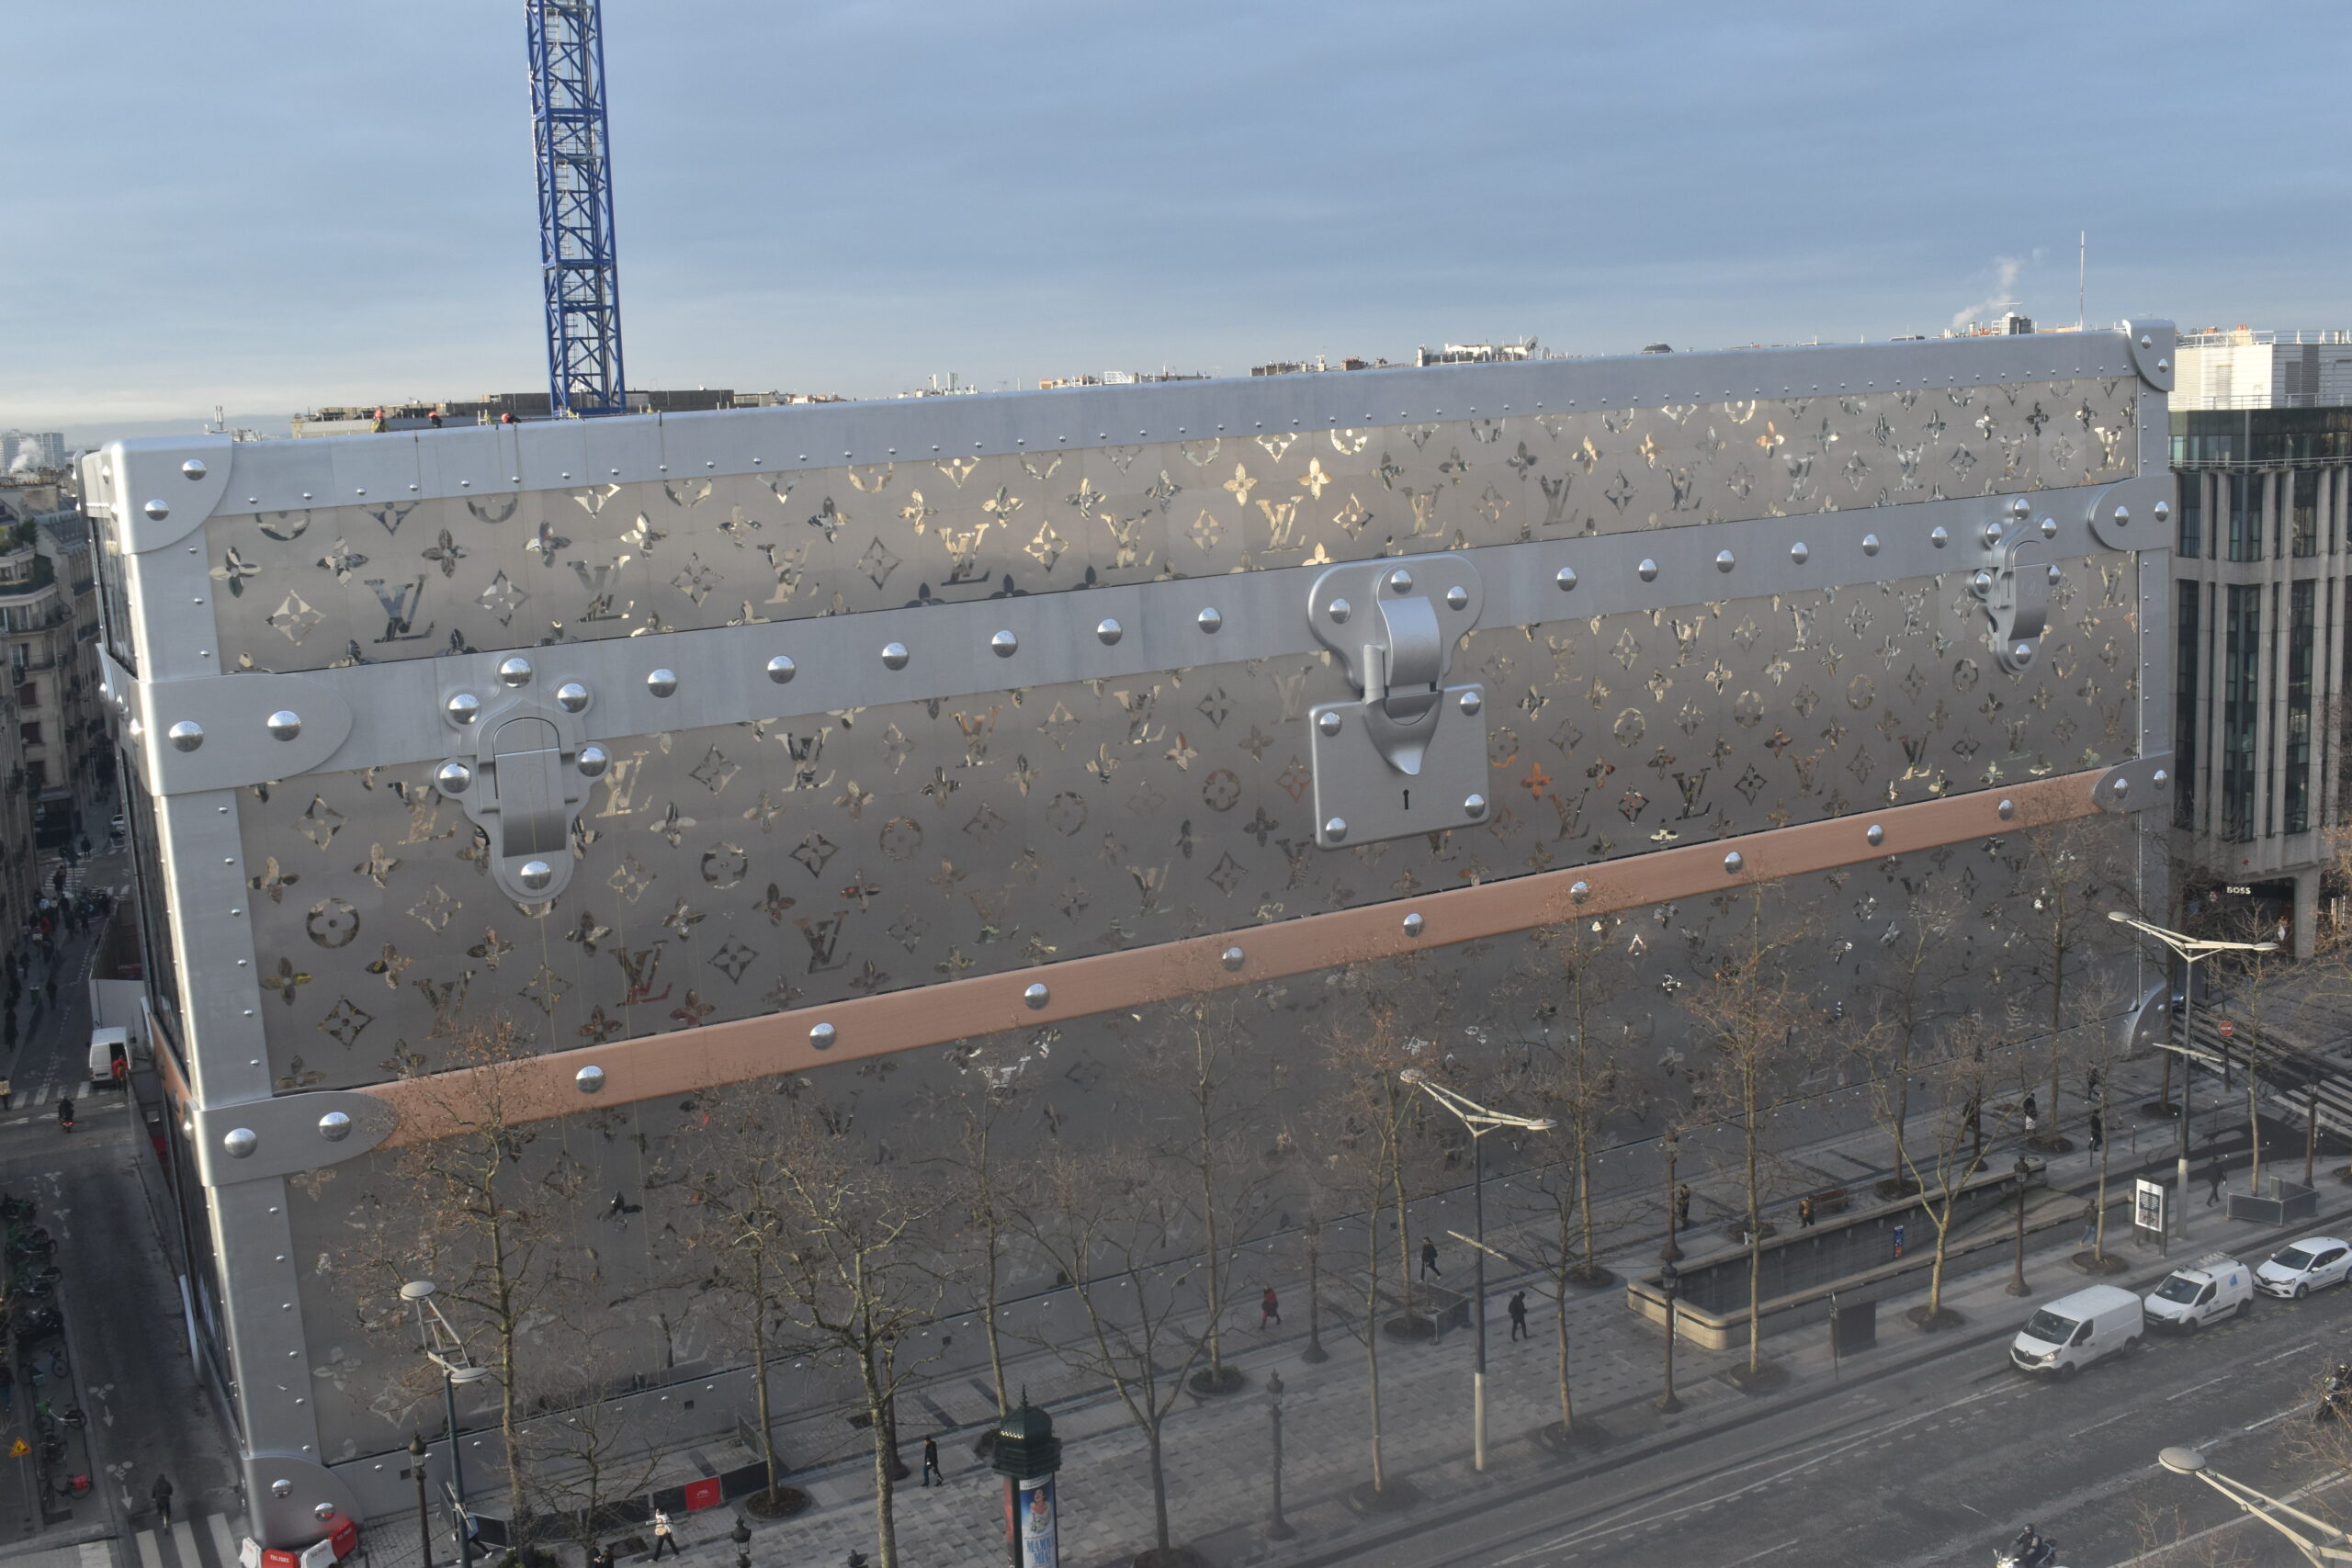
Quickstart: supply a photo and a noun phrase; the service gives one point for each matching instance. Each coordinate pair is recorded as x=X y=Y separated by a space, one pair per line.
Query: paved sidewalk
x=1218 y=1449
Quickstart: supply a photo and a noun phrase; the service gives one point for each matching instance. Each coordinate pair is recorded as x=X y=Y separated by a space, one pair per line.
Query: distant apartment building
x=2262 y=611
x=58 y=754
x=31 y=451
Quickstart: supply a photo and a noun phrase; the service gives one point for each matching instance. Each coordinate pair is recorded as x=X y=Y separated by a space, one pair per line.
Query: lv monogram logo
x=400 y=605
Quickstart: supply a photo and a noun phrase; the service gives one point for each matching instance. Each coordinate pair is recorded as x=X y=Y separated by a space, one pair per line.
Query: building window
x=37 y=775
x=2241 y=658
x=28 y=734
x=2245 y=516
x=2305 y=513
x=2184 y=697
x=28 y=694
x=2303 y=606
x=2192 y=516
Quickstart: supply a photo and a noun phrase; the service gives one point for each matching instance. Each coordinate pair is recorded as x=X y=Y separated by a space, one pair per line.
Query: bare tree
x=857 y=1280
x=1952 y=1072
x=1916 y=981
x=994 y=1179
x=584 y=1453
x=1109 y=1222
x=1750 y=1013
x=2061 y=887
x=739 y=1220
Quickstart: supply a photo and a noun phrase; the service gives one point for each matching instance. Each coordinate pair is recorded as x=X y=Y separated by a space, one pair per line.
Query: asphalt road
x=1939 y=1464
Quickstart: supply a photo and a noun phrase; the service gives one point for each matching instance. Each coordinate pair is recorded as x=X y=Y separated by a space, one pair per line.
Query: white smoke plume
x=2005 y=270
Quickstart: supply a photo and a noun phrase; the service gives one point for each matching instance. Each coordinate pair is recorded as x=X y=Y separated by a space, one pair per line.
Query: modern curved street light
x=2318 y=1540
x=1480 y=1121
x=2191 y=951
x=445 y=1349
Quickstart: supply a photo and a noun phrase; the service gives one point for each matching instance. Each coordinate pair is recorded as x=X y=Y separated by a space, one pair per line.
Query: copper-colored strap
x=654 y=1065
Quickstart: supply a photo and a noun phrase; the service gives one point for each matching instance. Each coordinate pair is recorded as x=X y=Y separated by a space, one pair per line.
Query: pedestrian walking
x=1270 y=1309
x=662 y=1539
x=7 y=1094
x=2032 y=1113
x=1804 y=1213
x=1429 y=1259
x=162 y=1495
x=2213 y=1192
x=931 y=1472
x=602 y=1557
x=2098 y=1131
x=65 y=1112
x=1518 y=1310
x=1681 y=1208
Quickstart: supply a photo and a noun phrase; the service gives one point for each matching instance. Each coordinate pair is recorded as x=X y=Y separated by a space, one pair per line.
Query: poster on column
x=1037 y=1512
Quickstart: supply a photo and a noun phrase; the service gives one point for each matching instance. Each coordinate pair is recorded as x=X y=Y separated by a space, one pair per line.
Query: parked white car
x=2308 y=1265
x=2072 y=1332
x=2215 y=1286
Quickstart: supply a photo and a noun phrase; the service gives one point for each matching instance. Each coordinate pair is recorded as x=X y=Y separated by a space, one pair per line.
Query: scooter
x=2031 y=1548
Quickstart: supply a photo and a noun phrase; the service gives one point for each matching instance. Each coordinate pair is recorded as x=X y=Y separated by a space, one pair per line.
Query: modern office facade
x=2262 y=461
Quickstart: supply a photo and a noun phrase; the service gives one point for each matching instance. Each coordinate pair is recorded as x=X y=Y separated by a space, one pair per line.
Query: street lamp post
x=2017 y=1277
x=741 y=1536
x=2319 y=1542
x=447 y=1351
x=1277 y=1527
x=1480 y=1121
x=2190 y=950
x=1670 y=1278
x=424 y=1514
x=1672 y=1250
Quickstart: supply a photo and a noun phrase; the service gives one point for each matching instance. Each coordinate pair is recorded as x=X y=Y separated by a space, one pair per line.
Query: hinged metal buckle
x=1395 y=623
x=2015 y=595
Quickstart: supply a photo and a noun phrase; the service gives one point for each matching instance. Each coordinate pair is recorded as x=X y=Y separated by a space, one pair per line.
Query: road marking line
x=2281 y=1416
x=2284 y=1354
x=1759 y=1556
x=149 y=1555
x=2097 y=1425
x=2184 y=1393
x=224 y=1545
x=184 y=1542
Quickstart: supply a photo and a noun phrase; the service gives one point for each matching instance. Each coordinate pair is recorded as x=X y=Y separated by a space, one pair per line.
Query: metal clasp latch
x=2015 y=594
x=1411 y=757
x=521 y=771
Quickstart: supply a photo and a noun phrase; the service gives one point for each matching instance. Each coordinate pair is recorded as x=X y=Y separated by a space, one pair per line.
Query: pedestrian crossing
x=210 y=1541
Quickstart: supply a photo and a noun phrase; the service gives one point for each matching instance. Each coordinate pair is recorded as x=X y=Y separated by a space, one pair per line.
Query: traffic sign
x=2228 y=1029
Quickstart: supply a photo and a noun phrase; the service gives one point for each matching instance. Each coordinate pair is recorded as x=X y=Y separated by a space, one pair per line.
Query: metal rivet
x=2123 y=515
x=158 y=510
x=515 y=672
x=2050 y=527
x=2163 y=510
x=662 y=682
x=240 y=1142
x=453 y=778
x=2022 y=652
x=1400 y=581
x=589 y=1079
x=322 y=1512
x=1413 y=925
x=1232 y=958
x=593 y=759
x=2164 y=366
x=822 y=1036
x=1339 y=612
x=2160 y=778
x=1876 y=834
x=1579 y=891
x=1732 y=862
x=465 y=707
x=1982 y=583
x=194 y=467
x=281 y=1489
x=1992 y=535
x=1940 y=536
x=1109 y=631
x=535 y=875
x=1336 y=829
x=895 y=656
x=1004 y=645
x=334 y=1126
x=781 y=669
x=1036 y=995
x=1725 y=560
x=2056 y=572
x=187 y=734
x=1647 y=571
x=1327 y=722
x=2119 y=788
x=1869 y=544
x=2147 y=342
x=1471 y=702
x=1210 y=619
x=1566 y=578
x=284 y=725
x=1798 y=553
x=1457 y=598
x=571 y=696
x=2006 y=809
x=1473 y=806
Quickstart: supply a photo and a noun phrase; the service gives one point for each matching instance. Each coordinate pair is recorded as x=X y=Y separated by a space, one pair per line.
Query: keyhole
x=1409 y=800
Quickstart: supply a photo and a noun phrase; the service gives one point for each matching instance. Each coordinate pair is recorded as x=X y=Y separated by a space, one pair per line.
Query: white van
x=107 y=1047
x=2074 y=1331
x=2216 y=1285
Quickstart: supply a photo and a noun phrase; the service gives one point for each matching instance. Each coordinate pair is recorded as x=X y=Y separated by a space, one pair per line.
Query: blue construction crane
x=577 y=261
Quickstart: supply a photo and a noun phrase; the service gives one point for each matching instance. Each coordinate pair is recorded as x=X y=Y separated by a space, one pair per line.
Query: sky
x=265 y=205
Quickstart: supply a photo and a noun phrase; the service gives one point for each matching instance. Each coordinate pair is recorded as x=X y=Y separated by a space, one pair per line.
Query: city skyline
x=360 y=223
